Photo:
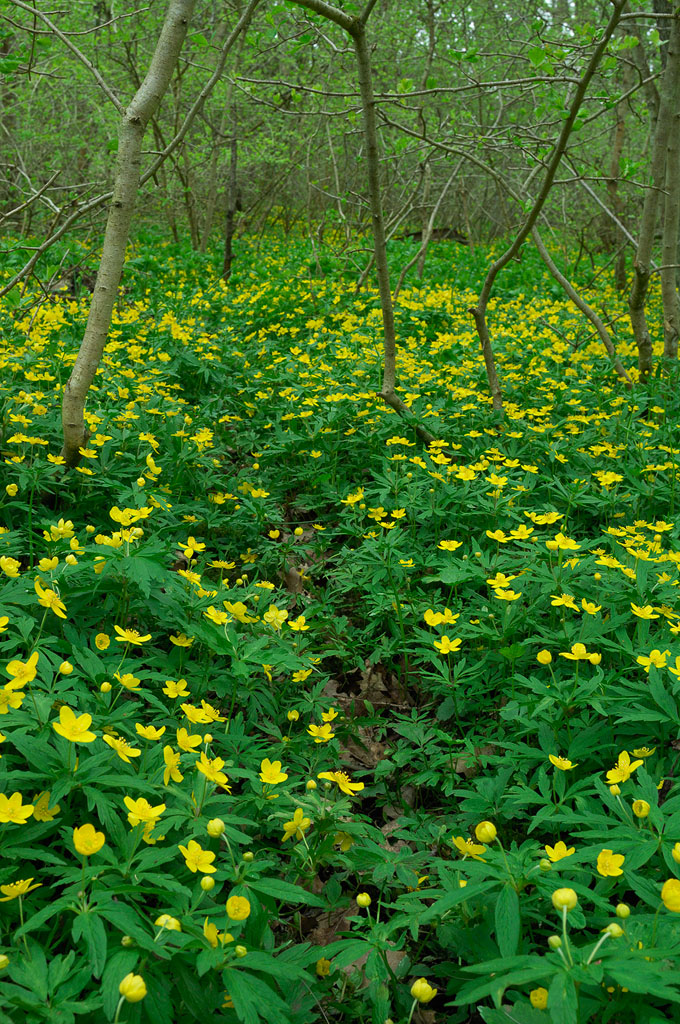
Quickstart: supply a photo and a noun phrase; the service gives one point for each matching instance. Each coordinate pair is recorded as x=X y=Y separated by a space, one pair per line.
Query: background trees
x=470 y=100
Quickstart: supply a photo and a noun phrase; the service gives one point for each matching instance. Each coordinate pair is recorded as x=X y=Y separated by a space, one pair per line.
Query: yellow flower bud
x=4 y=961
x=240 y=952
x=215 y=827
x=66 y=668
x=564 y=898
x=127 y=941
x=207 y=883
x=614 y=929
x=545 y=864
x=554 y=941
x=544 y=657
x=675 y=853
x=486 y=832
x=298 y=531
x=248 y=856
x=615 y=790
x=363 y=899
x=105 y=687
x=423 y=991
x=640 y=808
x=132 y=988
x=622 y=910
x=310 y=784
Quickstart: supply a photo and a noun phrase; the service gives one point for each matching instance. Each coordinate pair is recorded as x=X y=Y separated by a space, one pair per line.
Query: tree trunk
x=232 y=195
x=130 y=136
x=671 y=210
x=641 y=269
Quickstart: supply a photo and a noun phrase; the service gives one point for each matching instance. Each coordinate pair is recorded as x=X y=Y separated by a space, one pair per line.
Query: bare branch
x=108 y=92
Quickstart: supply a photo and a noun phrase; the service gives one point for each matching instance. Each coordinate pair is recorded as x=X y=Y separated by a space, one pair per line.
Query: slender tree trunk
x=232 y=196
x=671 y=213
x=641 y=268
x=130 y=136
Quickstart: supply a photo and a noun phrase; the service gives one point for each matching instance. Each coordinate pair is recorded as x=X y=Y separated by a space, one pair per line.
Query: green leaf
x=281 y=890
x=89 y=926
x=507 y=921
x=563 y=1000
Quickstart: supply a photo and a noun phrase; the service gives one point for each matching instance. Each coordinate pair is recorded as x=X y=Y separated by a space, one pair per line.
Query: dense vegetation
x=297 y=711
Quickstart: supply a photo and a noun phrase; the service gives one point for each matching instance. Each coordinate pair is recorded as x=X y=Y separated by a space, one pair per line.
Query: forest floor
x=297 y=711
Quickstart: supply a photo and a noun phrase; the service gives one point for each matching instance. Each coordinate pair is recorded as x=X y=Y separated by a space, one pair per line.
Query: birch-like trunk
x=130 y=136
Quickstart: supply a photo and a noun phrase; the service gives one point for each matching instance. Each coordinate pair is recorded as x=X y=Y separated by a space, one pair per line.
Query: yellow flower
x=644 y=751
x=132 y=988
x=563 y=601
x=214 y=936
x=212 y=769
x=422 y=990
x=449 y=545
x=149 y=732
x=50 y=599
x=590 y=607
x=342 y=779
x=559 y=851
x=198 y=859
x=609 y=863
x=188 y=742
x=645 y=612
x=74 y=728
x=446 y=645
x=12 y=809
x=563 y=763
x=22 y=672
x=238 y=908
x=130 y=636
x=299 y=624
x=141 y=811
x=168 y=922
x=122 y=747
x=293 y=715
x=468 y=847
x=578 y=653
x=181 y=640
x=330 y=715
x=670 y=894
x=87 y=840
x=544 y=657
x=41 y=808
x=14 y=889
x=538 y=997
x=297 y=826
x=197 y=716
x=321 y=733
x=655 y=657
x=177 y=688
x=623 y=769
x=323 y=967
x=640 y=808
x=270 y=772
x=128 y=681
x=275 y=617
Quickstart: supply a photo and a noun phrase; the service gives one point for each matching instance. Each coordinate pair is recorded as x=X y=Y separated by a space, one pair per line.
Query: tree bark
x=671 y=210
x=130 y=136
x=641 y=268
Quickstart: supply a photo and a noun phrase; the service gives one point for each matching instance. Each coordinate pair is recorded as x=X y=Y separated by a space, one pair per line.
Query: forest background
x=338 y=313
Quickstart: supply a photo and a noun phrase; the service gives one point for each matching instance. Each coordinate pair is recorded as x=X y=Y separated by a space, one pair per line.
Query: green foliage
x=444 y=678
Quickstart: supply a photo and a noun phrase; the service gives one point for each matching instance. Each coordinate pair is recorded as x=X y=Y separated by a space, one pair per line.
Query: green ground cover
x=295 y=711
